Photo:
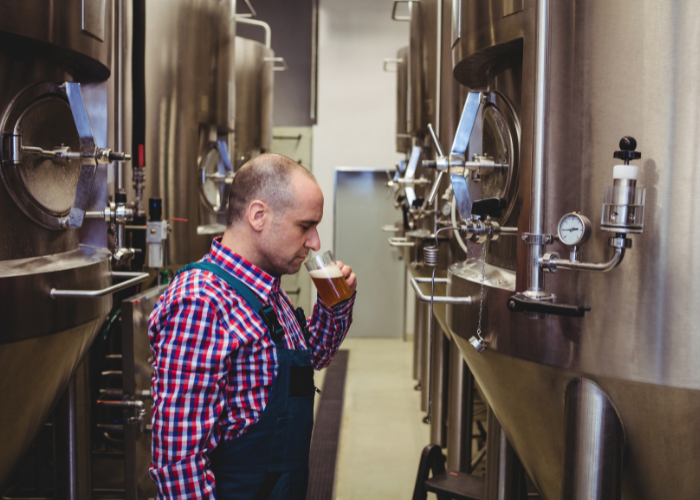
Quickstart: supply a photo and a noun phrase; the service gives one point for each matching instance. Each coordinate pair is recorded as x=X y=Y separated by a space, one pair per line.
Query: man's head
x=275 y=205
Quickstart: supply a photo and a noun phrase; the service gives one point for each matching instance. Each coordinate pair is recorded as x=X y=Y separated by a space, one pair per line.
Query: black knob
x=627 y=152
x=489 y=206
x=120 y=198
x=628 y=143
x=155 y=209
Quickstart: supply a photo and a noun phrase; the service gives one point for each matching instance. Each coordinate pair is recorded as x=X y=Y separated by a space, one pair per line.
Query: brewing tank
x=254 y=98
x=43 y=340
x=190 y=115
x=635 y=346
x=403 y=138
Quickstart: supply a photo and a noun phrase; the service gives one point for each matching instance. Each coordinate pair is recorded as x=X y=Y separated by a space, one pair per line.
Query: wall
x=356 y=120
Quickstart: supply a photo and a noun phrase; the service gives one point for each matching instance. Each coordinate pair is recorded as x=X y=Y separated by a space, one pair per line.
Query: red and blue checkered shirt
x=214 y=365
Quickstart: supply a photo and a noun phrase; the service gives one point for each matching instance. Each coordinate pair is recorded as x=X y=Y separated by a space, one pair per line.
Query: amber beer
x=329 y=281
x=331 y=285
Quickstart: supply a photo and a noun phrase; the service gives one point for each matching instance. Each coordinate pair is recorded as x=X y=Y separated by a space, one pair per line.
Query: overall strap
x=266 y=313
x=301 y=319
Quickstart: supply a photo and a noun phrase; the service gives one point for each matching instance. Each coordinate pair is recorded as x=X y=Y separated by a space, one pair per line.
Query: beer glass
x=329 y=281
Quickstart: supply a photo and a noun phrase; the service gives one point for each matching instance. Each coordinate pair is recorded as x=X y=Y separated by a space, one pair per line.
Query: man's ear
x=258 y=213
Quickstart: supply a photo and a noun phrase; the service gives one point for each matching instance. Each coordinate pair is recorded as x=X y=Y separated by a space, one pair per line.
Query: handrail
x=135 y=278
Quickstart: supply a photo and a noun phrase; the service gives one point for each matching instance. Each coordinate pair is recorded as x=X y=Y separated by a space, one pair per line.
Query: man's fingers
x=346 y=270
x=352 y=282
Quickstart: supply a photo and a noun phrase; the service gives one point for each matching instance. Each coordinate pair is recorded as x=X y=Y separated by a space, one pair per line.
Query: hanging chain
x=481 y=302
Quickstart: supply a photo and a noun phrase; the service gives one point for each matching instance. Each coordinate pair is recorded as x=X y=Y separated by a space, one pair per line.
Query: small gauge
x=446 y=209
x=574 y=229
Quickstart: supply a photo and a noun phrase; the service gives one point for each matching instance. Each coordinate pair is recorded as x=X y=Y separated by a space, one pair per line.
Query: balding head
x=267 y=178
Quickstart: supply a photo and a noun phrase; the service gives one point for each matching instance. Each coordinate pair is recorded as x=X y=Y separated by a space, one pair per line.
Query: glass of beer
x=329 y=281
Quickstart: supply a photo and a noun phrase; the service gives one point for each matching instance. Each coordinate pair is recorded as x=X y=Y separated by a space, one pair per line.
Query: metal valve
x=90 y=155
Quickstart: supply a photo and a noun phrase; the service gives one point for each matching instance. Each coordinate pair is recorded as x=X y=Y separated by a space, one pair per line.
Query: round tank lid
x=629 y=172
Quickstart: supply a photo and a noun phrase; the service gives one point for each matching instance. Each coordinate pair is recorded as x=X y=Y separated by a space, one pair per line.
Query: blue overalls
x=271 y=460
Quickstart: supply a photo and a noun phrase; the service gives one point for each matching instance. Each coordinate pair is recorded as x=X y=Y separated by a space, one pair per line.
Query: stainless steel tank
x=403 y=138
x=254 y=99
x=43 y=340
x=190 y=118
x=572 y=392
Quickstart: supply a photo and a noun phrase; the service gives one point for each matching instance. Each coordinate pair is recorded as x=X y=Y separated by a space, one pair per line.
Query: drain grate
x=326 y=436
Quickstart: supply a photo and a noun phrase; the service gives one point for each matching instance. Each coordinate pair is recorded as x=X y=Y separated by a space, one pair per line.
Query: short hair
x=266 y=177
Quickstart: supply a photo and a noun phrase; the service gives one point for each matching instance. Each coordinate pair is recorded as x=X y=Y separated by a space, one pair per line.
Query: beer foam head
x=327 y=272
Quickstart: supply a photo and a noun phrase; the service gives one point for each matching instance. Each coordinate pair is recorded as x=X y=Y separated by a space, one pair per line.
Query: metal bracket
x=537 y=239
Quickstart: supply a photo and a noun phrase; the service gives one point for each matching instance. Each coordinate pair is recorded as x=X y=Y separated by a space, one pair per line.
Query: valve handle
x=489 y=206
x=436 y=142
x=520 y=303
x=627 y=152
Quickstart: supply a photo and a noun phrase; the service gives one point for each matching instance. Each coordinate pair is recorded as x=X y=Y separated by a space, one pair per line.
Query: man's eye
x=305 y=228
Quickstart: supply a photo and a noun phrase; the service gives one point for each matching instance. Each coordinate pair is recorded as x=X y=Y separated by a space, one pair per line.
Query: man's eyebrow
x=310 y=222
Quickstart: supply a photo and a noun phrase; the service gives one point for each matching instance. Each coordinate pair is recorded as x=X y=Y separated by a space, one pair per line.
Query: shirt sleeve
x=327 y=328
x=190 y=359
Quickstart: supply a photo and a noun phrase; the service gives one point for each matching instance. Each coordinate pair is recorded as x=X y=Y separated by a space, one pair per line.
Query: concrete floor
x=382 y=433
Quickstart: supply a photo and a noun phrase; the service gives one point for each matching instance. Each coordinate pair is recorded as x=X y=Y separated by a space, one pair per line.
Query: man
x=233 y=384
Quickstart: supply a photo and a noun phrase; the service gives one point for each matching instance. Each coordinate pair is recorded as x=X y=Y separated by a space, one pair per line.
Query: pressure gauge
x=574 y=229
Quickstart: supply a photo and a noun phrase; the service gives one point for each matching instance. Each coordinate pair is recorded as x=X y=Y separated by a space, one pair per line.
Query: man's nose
x=313 y=242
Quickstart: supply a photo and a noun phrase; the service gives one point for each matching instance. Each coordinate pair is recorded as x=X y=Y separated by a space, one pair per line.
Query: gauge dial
x=574 y=229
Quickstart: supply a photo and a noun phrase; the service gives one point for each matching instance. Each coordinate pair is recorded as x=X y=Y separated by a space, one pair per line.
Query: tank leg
x=505 y=475
x=438 y=379
x=417 y=342
x=72 y=439
x=459 y=412
x=594 y=444
x=422 y=326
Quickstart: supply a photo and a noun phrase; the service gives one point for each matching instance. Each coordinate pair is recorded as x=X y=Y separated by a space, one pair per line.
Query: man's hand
x=348 y=275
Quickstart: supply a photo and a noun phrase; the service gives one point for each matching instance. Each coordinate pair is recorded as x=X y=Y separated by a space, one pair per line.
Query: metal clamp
x=437 y=300
x=135 y=279
x=391 y=60
x=394 y=17
x=401 y=241
x=537 y=239
x=274 y=60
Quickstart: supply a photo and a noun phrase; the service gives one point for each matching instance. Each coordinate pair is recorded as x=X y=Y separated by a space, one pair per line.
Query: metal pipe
x=135 y=279
x=603 y=267
x=119 y=91
x=593 y=446
x=536 y=273
x=439 y=300
x=511 y=231
x=438 y=69
x=401 y=241
x=261 y=24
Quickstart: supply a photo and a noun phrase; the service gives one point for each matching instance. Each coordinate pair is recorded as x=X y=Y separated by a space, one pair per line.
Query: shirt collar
x=262 y=283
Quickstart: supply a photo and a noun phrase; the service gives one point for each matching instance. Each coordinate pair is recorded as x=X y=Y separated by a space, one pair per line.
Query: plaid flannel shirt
x=214 y=365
